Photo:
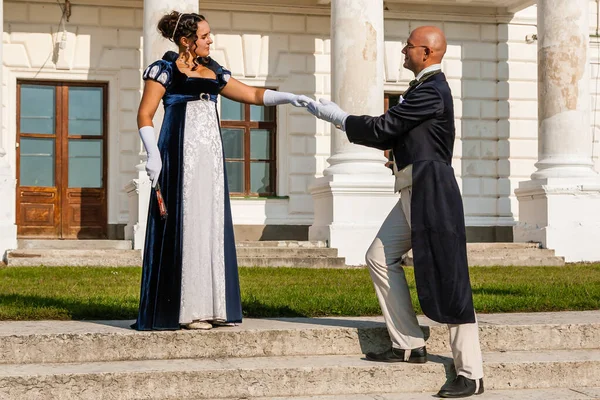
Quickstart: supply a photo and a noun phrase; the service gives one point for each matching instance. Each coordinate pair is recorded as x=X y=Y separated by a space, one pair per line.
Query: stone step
x=573 y=393
x=72 y=258
x=521 y=261
x=502 y=246
x=98 y=341
x=515 y=260
x=75 y=244
x=315 y=252
x=282 y=243
x=299 y=262
x=288 y=376
x=109 y=260
x=37 y=253
x=506 y=254
x=285 y=253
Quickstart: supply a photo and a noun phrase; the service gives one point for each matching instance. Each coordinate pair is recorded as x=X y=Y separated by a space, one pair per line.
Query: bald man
x=428 y=218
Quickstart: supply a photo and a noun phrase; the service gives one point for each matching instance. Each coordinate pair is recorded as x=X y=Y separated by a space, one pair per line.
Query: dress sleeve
x=223 y=74
x=223 y=77
x=160 y=71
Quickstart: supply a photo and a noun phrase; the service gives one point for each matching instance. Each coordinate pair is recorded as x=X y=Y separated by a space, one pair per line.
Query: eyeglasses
x=412 y=46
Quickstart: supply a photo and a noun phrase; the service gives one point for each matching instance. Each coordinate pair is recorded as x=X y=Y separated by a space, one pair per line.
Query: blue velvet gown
x=189 y=265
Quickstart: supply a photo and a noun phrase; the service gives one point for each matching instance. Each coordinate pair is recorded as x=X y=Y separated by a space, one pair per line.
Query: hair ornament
x=176 y=25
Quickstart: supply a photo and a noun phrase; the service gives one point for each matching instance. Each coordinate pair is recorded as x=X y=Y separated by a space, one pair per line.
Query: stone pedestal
x=349 y=210
x=558 y=206
x=562 y=214
x=138 y=199
x=8 y=227
x=356 y=193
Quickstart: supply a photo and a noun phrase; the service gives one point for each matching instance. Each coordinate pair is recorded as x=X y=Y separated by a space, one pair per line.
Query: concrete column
x=154 y=46
x=356 y=192
x=356 y=80
x=558 y=206
x=564 y=132
x=8 y=228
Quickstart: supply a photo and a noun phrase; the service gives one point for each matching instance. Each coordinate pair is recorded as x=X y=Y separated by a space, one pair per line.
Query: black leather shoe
x=417 y=356
x=461 y=387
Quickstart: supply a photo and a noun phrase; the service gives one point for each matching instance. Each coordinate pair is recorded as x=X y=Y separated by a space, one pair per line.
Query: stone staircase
x=506 y=254
x=73 y=253
x=284 y=253
x=119 y=253
x=551 y=356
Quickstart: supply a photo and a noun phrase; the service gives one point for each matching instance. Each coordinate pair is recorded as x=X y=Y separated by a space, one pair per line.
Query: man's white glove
x=275 y=98
x=154 y=163
x=328 y=111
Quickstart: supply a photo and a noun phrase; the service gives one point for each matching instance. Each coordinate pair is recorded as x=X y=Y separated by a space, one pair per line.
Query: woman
x=190 y=275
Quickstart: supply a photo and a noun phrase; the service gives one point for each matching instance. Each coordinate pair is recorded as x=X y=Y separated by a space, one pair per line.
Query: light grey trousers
x=383 y=258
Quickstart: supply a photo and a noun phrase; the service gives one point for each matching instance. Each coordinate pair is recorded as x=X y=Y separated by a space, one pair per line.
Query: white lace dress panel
x=203 y=258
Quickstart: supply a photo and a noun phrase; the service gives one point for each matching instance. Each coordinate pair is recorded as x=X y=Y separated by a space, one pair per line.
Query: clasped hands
x=325 y=109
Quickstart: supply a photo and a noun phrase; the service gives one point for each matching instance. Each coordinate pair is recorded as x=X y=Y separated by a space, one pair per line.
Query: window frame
x=247 y=126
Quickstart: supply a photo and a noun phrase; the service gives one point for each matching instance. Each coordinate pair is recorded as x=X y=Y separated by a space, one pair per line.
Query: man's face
x=414 y=54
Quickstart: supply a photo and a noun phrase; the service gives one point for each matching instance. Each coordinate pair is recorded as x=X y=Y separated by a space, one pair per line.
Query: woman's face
x=202 y=45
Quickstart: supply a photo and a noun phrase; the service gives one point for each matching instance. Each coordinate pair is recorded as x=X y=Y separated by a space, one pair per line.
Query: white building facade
x=71 y=163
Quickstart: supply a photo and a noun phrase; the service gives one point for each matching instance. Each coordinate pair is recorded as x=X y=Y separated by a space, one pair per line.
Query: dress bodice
x=182 y=88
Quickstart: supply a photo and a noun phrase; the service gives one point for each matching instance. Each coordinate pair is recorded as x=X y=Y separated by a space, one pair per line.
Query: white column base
x=8 y=228
x=562 y=214
x=138 y=193
x=349 y=210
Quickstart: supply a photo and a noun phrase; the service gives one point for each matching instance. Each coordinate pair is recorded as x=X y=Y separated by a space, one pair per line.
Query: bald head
x=433 y=38
x=425 y=46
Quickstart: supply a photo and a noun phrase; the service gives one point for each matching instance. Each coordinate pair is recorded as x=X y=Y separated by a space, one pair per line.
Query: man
x=429 y=216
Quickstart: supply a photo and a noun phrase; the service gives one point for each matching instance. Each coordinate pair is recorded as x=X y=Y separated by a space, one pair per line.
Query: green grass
x=112 y=293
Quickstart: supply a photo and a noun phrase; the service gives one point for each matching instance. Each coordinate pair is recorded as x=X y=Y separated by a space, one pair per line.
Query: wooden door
x=61 y=160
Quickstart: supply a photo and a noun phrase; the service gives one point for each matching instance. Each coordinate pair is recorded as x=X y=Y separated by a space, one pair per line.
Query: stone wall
x=103 y=43
x=491 y=68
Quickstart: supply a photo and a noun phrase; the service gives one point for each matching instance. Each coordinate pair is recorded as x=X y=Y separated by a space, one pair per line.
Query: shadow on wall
x=483 y=130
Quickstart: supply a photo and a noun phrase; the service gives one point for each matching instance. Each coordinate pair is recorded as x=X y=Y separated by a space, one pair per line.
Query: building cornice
x=453 y=13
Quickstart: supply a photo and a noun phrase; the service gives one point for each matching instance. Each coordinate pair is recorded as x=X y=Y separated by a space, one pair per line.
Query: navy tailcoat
x=421 y=132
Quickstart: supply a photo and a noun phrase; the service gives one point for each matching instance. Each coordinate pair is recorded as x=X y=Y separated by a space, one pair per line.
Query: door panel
x=61 y=192
x=38 y=197
x=38 y=212
x=84 y=215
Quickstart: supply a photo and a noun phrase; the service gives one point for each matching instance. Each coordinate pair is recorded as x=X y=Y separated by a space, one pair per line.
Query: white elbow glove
x=274 y=98
x=154 y=163
x=330 y=112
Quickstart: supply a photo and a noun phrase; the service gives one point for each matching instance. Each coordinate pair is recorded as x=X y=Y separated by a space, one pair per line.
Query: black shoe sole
x=413 y=360
x=452 y=396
